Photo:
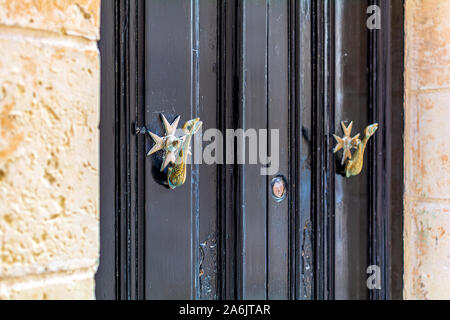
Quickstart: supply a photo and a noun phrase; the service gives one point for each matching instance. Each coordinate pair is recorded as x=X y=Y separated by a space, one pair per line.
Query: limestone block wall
x=49 y=148
x=427 y=150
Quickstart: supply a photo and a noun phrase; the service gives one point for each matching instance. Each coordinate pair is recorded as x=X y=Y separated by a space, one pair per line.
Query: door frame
x=312 y=227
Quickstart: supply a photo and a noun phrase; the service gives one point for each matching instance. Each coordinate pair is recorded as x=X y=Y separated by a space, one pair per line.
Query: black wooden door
x=299 y=67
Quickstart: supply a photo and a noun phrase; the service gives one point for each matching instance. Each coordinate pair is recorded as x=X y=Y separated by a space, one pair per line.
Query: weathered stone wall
x=427 y=150
x=49 y=117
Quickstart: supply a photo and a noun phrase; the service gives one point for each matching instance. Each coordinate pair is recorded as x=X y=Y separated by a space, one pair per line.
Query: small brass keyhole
x=279 y=188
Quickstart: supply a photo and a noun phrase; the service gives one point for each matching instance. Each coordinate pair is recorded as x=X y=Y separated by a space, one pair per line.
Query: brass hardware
x=176 y=149
x=279 y=190
x=353 y=164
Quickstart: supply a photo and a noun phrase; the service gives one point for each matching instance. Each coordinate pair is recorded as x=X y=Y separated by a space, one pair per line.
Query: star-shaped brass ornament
x=346 y=142
x=169 y=143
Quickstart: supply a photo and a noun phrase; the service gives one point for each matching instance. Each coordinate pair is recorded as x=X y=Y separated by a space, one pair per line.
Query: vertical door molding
x=120 y=275
x=386 y=66
x=301 y=229
x=227 y=86
x=323 y=171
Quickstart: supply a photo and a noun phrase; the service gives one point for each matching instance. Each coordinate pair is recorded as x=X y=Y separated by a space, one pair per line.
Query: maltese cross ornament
x=169 y=143
x=346 y=142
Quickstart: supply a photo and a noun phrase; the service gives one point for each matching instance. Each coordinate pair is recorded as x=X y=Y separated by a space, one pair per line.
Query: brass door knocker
x=176 y=149
x=353 y=164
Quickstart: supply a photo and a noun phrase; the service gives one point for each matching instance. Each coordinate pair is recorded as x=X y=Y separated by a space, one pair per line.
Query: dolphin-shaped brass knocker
x=176 y=149
x=353 y=164
x=176 y=175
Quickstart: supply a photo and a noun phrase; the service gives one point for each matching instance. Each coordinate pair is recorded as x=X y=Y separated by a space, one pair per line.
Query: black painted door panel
x=181 y=224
